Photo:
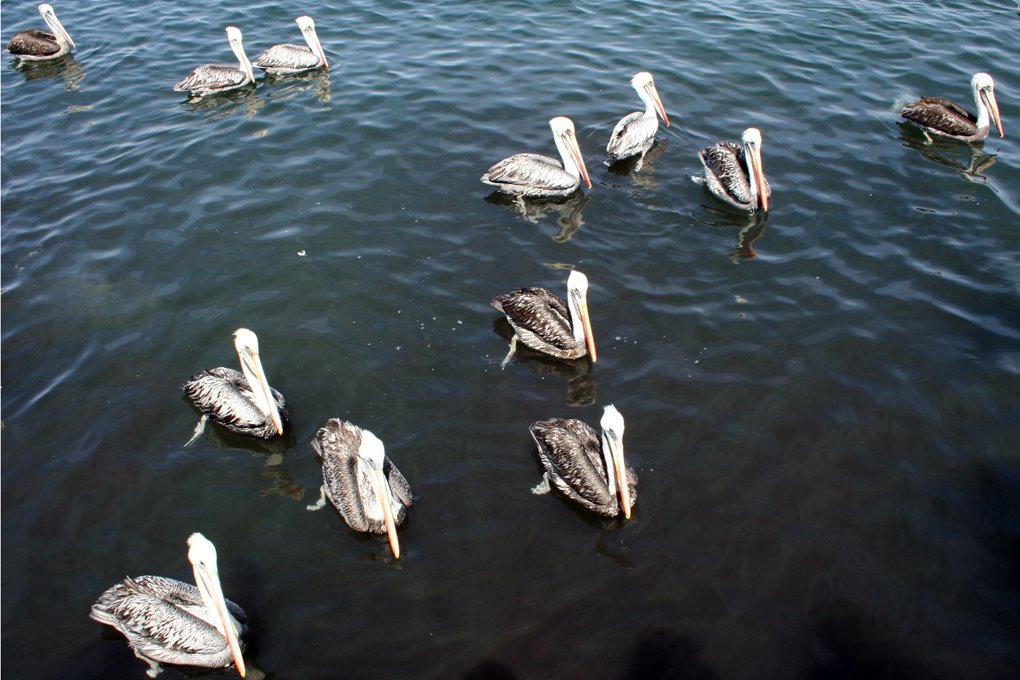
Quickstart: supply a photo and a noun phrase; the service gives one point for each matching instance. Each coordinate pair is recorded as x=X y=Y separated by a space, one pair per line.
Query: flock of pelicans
x=165 y=620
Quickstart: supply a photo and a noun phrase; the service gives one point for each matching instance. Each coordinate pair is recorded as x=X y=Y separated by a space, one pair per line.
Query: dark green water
x=821 y=406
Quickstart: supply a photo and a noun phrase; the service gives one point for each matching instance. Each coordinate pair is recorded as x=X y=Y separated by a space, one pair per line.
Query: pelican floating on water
x=943 y=117
x=543 y=322
x=584 y=470
x=287 y=58
x=241 y=402
x=38 y=45
x=734 y=174
x=213 y=78
x=531 y=174
x=169 y=621
x=635 y=133
x=359 y=480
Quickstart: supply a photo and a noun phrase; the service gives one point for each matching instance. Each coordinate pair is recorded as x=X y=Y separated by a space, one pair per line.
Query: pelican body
x=285 y=59
x=943 y=117
x=169 y=621
x=635 y=133
x=586 y=470
x=547 y=324
x=360 y=481
x=531 y=174
x=213 y=78
x=241 y=401
x=38 y=45
x=733 y=172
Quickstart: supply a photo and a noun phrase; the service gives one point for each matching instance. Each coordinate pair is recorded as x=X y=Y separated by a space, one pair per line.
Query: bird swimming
x=543 y=322
x=733 y=172
x=943 y=117
x=37 y=45
x=360 y=481
x=213 y=78
x=591 y=473
x=635 y=133
x=531 y=174
x=169 y=621
x=287 y=58
x=241 y=402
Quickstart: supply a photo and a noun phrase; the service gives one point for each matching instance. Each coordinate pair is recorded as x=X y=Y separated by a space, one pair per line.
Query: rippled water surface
x=821 y=405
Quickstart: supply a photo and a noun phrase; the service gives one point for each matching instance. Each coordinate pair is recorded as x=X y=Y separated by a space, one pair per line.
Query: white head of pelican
x=202 y=555
x=247 y=345
x=612 y=453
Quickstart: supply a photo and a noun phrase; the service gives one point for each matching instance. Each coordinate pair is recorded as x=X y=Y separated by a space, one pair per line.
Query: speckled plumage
x=288 y=58
x=211 y=78
x=346 y=484
x=531 y=174
x=541 y=320
x=633 y=135
x=944 y=117
x=38 y=44
x=166 y=621
x=225 y=396
x=571 y=453
x=726 y=174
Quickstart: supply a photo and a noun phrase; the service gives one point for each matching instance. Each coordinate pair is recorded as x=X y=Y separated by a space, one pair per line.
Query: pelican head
x=570 y=152
x=612 y=452
x=50 y=17
x=307 y=27
x=755 y=175
x=202 y=555
x=984 y=99
x=234 y=38
x=577 y=299
x=247 y=345
x=372 y=454
x=645 y=86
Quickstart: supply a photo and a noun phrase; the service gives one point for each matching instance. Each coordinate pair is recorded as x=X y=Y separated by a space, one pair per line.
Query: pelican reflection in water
x=360 y=481
x=241 y=401
x=169 y=621
x=590 y=472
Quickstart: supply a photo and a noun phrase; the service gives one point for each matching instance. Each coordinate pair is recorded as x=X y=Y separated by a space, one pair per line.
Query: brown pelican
x=544 y=323
x=635 y=132
x=38 y=45
x=583 y=470
x=359 y=480
x=943 y=117
x=241 y=402
x=169 y=621
x=212 y=78
x=287 y=58
x=734 y=173
x=530 y=174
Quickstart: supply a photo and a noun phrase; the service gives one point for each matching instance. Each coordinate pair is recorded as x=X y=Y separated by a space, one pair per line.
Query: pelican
x=635 y=132
x=285 y=59
x=943 y=117
x=38 y=45
x=359 y=480
x=530 y=174
x=212 y=78
x=734 y=173
x=583 y=470
x=543 y=322
x=174 y=622
x=241 y=402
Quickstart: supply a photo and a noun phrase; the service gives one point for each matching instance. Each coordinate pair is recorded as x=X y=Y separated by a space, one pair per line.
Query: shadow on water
x=286 y=87
x=660 y=653
x=970 y=160
x=581 y=385
x=641 y=169
x=569 y=210
x=750 y=227
x=65 y=67
x=225 y=104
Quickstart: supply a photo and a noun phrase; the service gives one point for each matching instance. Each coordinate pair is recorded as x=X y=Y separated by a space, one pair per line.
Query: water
x=821 y=406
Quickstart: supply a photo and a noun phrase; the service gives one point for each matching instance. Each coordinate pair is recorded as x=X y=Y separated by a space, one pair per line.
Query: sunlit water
x=821 y=405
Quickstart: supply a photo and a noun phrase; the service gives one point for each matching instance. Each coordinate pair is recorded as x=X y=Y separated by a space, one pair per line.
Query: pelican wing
x=941 y=116
x=726 y=174
x=571 y=453
x=337 y=445
x=538 y=316
x=634 y=134
x=401 y=489
x=212 y=78
x=166 y=620
x=34 y=43
x=531 y=173
x=225 y=396
x=287 y=58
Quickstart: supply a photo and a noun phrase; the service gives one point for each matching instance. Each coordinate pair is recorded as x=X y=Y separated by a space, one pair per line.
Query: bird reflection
x=641 y=169
x=65 y=67
x=226 y=104
x=969 y=160
x=751 y=227
x=286 y=87
x=580 y=385
x=569 y=210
